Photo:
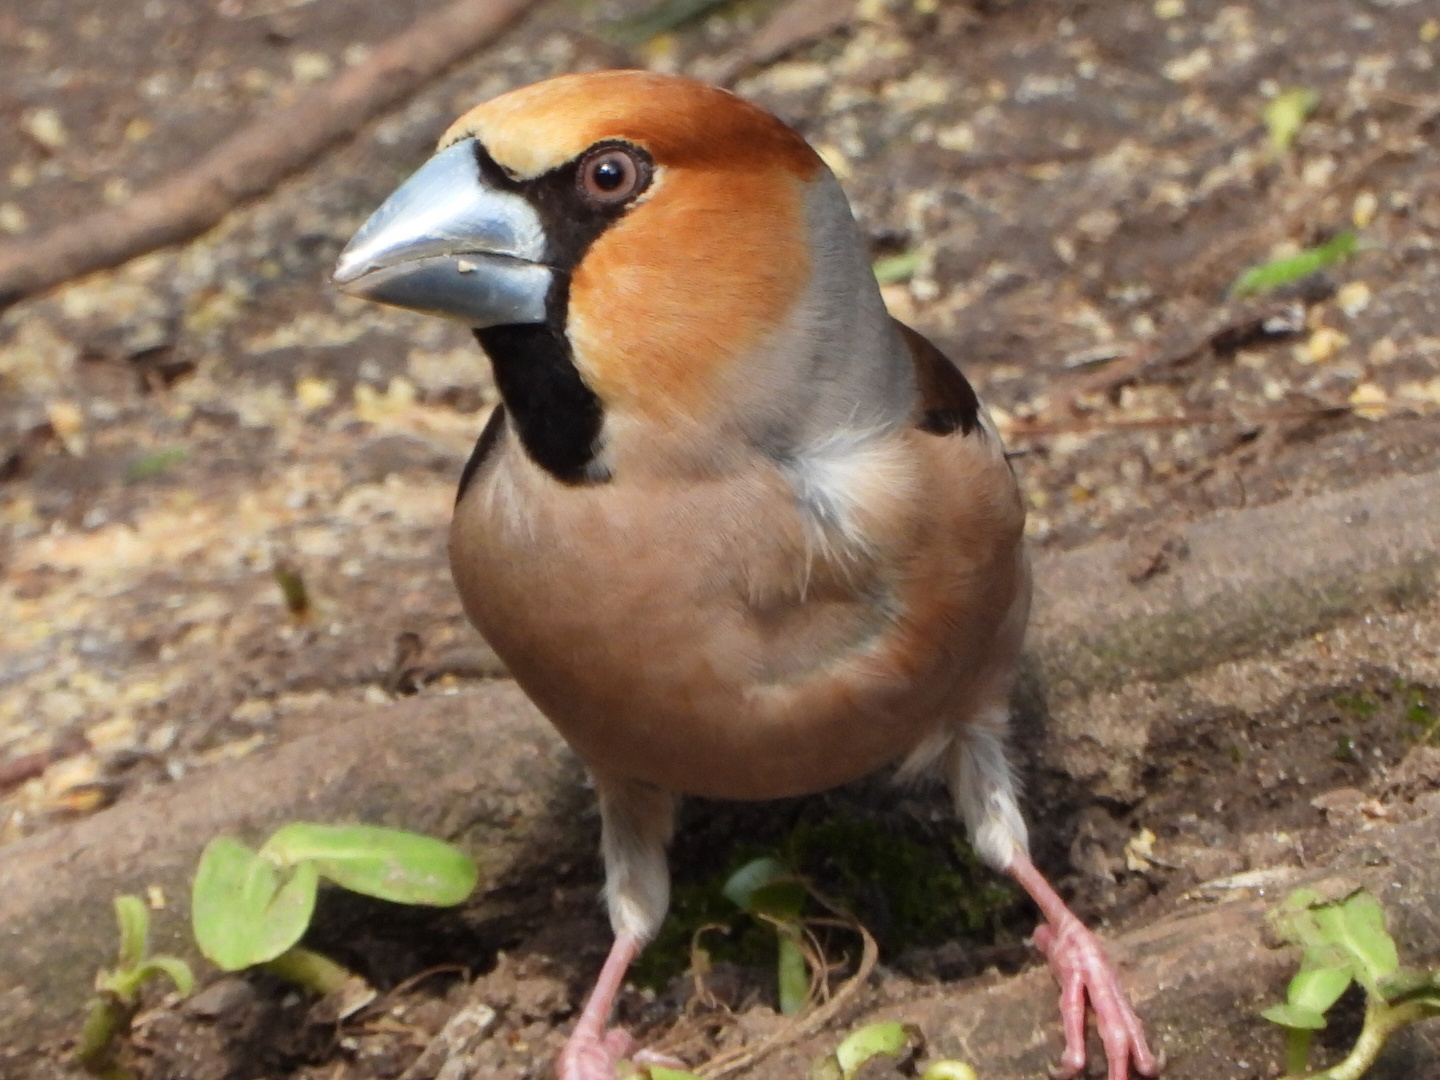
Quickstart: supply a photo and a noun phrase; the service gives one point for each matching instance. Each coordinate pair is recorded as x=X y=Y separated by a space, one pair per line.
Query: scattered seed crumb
x=67 y=420
x=116 y=191
x=1190 y=67
x=1383 y=352
x=311 y=67
x=13 y=219
x=1324 y=342
x=312 y=393
x=1353 y=298
x=1363 y=212
x=1370 y=401
x=1426 y=393
x=45 y=127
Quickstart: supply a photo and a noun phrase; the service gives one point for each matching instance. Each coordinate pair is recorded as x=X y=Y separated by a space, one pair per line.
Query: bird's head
x=624 y=245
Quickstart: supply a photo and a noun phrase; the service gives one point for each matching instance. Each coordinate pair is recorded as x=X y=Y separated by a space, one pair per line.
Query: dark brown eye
x=610 y=176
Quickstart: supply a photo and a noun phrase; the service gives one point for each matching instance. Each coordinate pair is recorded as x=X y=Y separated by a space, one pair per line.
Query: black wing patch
x=484 y=447
x=948 y=403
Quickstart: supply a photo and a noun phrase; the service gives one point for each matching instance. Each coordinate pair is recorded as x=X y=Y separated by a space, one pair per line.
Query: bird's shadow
x=550 y=898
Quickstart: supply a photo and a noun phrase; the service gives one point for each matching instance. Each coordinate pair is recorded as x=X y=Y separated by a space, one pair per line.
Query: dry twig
x=803 y=1026
x=256 y=158
x=1024 y=429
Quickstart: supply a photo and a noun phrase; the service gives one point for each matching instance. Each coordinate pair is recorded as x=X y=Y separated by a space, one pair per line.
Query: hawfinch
x=736 y=531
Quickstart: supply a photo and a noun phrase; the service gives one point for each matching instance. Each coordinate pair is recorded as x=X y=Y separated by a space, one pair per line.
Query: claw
x=1085 y=974
x=590 y=1057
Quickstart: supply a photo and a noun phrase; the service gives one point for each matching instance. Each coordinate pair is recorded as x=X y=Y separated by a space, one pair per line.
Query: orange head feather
x=706 y=262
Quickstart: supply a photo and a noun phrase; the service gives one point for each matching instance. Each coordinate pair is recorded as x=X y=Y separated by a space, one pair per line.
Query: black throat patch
x=557 y=417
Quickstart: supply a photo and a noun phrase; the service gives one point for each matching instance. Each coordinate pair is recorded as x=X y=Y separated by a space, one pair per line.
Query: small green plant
x=154 y=464
x=907 y=887
x=293 y=590
x=893 y=269
x=1360 y=704
x=1267 y=277
x=118 y=990
x=251 y=908
x=1344 y=940
x=892 y=1039
x=771 y=892
x=1285 y=114
x=1421 y=718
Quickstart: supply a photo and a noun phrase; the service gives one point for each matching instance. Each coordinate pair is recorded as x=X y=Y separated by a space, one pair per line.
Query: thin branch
x=1021 y=429
x=253 y=160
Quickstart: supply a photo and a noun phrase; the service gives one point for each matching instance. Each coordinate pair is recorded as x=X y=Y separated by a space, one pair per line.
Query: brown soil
x=1078 y=184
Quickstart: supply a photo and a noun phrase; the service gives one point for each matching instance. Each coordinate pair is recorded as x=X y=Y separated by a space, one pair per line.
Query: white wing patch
x=845 y=483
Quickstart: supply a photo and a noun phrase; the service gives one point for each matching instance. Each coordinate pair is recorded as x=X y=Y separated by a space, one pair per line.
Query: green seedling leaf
x=93 y=1044
x=1285 y=114
x=1347 y=932
x=316 y=973
x=1344 y=937
x=173 y=968
x=660 y=1072
x=893 y=269
x=1407 y=985
x=766 y=888
x=389 y=864
x=1318 y=988
x=1356 y=926
x=754 y=875
x=153 y=464
x=110 y=1012
x=1295 y=1017
x=889 y=1039
x=1294 y=921
x=794 y=974
x=243 y=910
x=1281 y=272
x=134 y=920
x=780 y=901
x=125 y=983
x=949 y=1069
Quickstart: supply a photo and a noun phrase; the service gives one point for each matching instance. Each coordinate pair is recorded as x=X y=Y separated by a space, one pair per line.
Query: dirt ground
x=1061 y=193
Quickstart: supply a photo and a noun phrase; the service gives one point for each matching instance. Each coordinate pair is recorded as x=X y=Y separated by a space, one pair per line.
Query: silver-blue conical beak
x=448 y=244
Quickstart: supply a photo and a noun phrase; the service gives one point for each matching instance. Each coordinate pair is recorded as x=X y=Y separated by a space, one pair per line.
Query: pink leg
x=1082 y=970
x=593 y=1052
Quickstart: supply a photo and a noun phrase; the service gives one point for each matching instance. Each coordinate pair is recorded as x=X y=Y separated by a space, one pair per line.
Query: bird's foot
x=1083 y=971
x=593 y=1057
x=586 y=1057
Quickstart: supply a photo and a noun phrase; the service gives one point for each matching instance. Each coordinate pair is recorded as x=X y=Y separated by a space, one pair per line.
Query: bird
x=735 y=530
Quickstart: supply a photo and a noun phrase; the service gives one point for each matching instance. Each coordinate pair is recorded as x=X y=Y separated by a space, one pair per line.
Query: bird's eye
x=610 y=176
